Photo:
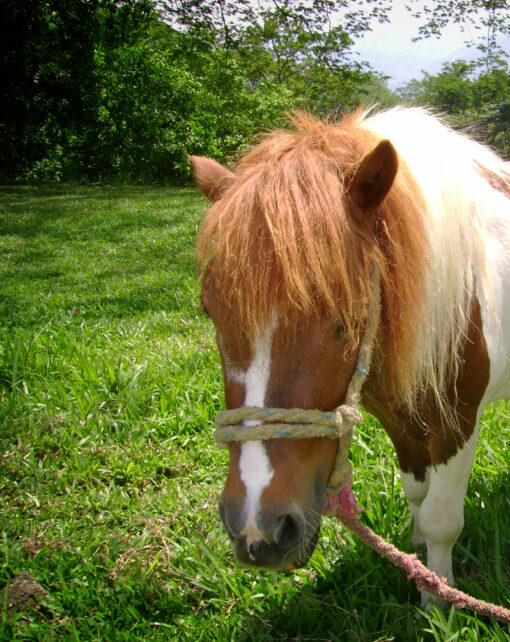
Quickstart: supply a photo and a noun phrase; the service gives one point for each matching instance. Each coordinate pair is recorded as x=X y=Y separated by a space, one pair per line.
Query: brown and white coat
x=286 y=252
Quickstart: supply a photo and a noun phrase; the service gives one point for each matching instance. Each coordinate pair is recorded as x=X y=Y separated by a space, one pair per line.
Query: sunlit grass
x=109 y=476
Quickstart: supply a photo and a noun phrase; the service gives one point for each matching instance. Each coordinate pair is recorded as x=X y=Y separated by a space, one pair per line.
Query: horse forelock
x=286 y=237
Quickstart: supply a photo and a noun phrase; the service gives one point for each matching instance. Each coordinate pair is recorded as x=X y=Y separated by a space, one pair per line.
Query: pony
x=286 y=253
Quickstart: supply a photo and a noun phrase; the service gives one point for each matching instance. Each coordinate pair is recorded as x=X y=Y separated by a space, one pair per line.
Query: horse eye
x=339 y=331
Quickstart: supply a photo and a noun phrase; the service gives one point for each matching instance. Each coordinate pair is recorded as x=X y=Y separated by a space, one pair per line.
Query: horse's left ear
x=374 y=177
x=212 y=178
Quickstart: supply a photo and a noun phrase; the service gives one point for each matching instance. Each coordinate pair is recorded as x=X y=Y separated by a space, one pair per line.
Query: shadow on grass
x=86 y=191
x=90 y=213
x=359 y=597
x=97 y=251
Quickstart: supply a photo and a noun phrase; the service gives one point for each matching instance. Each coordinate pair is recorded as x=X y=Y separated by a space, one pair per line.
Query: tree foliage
x=302 y=46
x=49 y=75
x=124 y=90
x=475 y=95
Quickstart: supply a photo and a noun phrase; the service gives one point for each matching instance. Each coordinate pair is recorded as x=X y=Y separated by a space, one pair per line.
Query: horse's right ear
x=211 y=177
x=374 y=177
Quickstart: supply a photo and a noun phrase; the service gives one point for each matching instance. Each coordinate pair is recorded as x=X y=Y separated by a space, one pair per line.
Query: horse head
x=289 y=305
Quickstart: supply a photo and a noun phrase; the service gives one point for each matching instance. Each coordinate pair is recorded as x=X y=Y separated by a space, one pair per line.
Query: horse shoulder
x=425 y=438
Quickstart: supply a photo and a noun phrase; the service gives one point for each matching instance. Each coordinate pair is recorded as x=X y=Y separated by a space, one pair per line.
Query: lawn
x=109 y=475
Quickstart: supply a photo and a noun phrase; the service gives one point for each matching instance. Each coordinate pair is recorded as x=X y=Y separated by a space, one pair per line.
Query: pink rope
x=345 y=507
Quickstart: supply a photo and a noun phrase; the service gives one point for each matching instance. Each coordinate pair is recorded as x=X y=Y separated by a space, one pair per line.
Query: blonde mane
x=286 y=237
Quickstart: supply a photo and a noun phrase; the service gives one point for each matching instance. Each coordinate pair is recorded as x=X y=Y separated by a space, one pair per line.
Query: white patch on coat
x=495 y=310
x=441 y=514
x=467 y=225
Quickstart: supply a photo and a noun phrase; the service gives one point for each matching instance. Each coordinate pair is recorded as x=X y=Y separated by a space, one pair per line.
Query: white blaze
x=254 y=465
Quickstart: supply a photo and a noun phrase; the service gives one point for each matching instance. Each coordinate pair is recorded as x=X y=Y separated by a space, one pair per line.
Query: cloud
x=390 y=49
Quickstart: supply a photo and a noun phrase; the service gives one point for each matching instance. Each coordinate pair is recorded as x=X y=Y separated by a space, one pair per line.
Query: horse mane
x=286 y=237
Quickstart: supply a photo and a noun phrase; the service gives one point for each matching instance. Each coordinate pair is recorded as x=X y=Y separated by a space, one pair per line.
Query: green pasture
x=109 y=477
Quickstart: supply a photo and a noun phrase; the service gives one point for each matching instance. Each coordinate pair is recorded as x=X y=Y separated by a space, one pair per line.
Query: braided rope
x=295 y=423
x=252 y=423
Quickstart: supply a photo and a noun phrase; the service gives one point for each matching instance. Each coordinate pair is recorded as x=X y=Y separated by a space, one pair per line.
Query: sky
x=390 y=50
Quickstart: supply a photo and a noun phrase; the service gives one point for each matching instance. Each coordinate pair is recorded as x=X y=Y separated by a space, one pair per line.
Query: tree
x=125 y=89
x=451 y=90
x=302 y=46
x=48 y=72
x=157 y=108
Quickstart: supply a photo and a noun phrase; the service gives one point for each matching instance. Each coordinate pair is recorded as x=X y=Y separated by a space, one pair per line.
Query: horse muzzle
x=283 y=540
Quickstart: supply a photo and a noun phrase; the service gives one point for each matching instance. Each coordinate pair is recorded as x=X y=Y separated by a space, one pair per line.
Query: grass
x=109 y=477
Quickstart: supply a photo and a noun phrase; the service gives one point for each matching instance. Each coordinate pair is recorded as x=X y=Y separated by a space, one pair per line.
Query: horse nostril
x=255 y=549
x=288 y=531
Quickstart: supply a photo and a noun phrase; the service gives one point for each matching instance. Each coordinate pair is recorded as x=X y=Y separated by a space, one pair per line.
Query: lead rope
x=253 y=423
x=425 y=579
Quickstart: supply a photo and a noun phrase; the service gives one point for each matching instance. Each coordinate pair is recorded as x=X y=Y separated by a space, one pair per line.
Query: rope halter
x=252 y=423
